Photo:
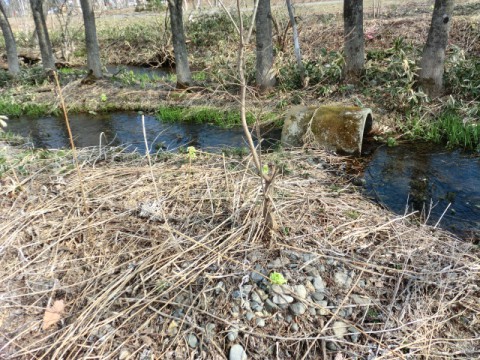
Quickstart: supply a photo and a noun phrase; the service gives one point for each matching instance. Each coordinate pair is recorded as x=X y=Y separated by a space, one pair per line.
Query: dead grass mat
x=141 y=268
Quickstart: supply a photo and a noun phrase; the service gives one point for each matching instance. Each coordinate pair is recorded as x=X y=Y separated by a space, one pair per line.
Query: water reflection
x=153 y=73
x=427 y=178
x=125 y=129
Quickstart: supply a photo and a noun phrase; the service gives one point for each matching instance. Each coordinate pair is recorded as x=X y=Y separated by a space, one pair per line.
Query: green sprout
x=103 y=97
x=277 y=278
x=265 y=169
x=192 y=153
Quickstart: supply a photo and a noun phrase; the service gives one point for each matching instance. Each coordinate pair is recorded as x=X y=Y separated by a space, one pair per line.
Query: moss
x=337 y=125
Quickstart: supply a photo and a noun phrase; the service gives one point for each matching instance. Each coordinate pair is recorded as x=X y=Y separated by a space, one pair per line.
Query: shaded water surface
x=125 y=129
x=152 y=73
x=428 y=178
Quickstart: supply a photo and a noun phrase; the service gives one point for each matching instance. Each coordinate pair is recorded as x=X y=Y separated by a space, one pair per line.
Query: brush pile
x=170 y=261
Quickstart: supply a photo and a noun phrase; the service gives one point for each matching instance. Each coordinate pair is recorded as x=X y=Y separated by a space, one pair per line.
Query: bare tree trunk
x=433 y=57
x=263 y=22
x=354 y=44
x=296 y=43
x=10 y=44
x=182 y=69
x=48 y=59
x=93 y=51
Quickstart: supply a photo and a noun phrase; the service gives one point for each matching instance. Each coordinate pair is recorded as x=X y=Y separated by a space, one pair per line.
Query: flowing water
x=153 y=73
x=125 y=129
x=443 y=186
x=439 y=184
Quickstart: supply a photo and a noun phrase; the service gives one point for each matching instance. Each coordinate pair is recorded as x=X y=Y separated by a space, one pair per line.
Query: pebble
x=257 y=275
x=278 y=263
x=294 y=327
x=289 y=318
x=232 y=334
x=308 y=285
x=255 y=306
x=270 y=306
x=361 y=300
x=308 y=257
x=282 y=299
x=237 y=353
x=300 y=291
x=311 y=271
x=318 y=284
x=312 y=311
x=298 y=309
x=260 y=322
x=355 y=334
x=124 y=354
x=323 y=311
x=249 y=315
x=331 y=346
x=278 y=289
x=340 y=329
x=318 y=296
x=235 y=311
x=255 y=297
x=342 y=279
x=246 y=289
x=263 y=295
x=192 y=341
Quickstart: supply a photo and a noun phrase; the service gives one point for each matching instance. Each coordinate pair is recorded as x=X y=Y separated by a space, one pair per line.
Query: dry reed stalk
x=150 y=280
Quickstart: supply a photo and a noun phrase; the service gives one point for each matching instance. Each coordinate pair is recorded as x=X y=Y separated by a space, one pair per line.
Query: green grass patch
x=202 y=115
x=10 y=107
x=449 y=127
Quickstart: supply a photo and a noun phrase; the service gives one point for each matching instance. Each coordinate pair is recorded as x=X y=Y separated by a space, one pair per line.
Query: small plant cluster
x=211 y=30
x=202 y=115
x=11 y=107
x=448 y=127
x=143 y=80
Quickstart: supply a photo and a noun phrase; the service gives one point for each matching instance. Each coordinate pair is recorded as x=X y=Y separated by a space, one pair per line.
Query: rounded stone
x=232 y=335
x=340 y=329
x=282 y=299
x=192 y=341
x=298 y=309
x=318 y=284
x=260 y=322
x=300 y=291
x=318 y=296
x=237 y=352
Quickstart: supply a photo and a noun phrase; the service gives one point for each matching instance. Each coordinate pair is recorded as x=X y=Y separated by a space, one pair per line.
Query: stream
x=125 y=129
x=443 y=186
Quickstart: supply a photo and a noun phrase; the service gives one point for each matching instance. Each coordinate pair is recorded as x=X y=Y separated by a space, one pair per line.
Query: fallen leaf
x=53 y=314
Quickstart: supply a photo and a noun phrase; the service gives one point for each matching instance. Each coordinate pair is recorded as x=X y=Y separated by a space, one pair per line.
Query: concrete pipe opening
x=334 y=127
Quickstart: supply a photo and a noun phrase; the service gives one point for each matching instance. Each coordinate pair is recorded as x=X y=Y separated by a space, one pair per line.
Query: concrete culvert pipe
x=335 y=127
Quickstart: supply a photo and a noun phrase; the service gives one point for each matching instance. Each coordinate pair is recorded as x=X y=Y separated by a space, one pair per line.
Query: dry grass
x=141 y=270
